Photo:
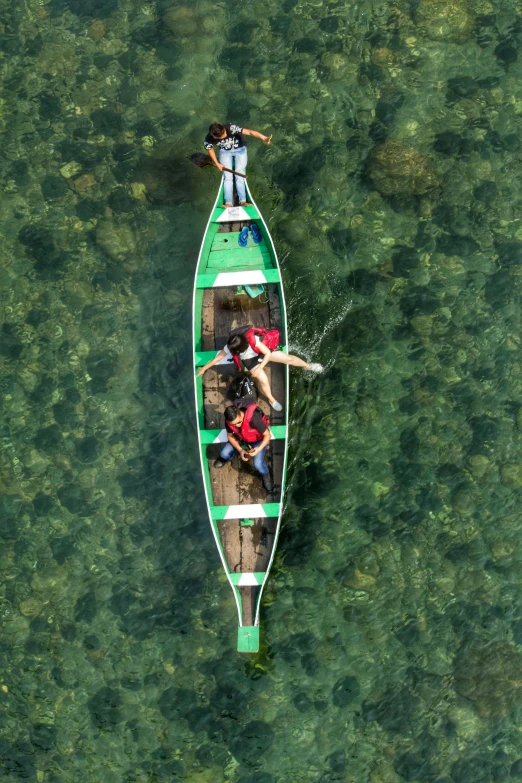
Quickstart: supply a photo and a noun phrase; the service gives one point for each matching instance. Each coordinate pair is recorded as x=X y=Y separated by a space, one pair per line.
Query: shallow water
x=392 y=622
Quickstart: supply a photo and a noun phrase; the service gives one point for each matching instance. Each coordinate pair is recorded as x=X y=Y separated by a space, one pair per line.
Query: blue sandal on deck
x=243 y=237
x=256 y=234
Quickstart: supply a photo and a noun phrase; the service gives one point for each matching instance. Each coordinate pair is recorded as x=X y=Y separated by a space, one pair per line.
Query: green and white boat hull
x=244 y=521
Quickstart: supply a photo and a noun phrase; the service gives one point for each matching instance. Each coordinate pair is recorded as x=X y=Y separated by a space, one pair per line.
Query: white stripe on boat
x=233 y=213
x=240 y=512
x=248 y=580
x=254 y=277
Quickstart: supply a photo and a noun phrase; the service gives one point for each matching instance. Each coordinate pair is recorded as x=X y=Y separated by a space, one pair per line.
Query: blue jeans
x=226 y=157
x=228 y=451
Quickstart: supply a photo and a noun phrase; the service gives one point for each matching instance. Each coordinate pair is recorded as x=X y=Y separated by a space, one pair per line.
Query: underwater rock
x=87 y=209
x=340 y=240
x=490 y=677
x=511 y=475
x=415 y=767
x=53 y=187
x=506 y=52
x=400 y=171
x=422 y=325
x=486 y=192
x=62 y=548
x=384 y=774
x=499 y=288
x=120 y=201
x=70 y=169
x=86 y=607
x=107 y=122
x=48 y=438
x=88 y=449
x=449 y=143
x=254 y=740
x=118 y=241
x=345 y=691
x=43 y=736
x=404 y=260
x=73 y=498
x=302 y=703
x=43 y=504
x=49 y=580
x=84 y=183
x=468 y=724
x=96 y=30
x=478 y=465
x=174 y=702
x=394 y=712
x=456 y=245
x=64 y=414
x=463 y=498
x=408 y=633
x=36 y=463
x=181 y=21
x=357 y=580
x=104 y=707
x=31 y=607
x=445 y=20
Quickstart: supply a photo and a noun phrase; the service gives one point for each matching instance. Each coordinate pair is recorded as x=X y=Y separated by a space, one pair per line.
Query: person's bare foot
x=245 y=204
x=225 y=206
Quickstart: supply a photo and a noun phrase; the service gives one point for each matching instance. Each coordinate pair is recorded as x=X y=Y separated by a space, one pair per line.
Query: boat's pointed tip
x=248 y=639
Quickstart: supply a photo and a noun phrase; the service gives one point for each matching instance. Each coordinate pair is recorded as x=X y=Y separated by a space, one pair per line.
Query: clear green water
x=392 y=623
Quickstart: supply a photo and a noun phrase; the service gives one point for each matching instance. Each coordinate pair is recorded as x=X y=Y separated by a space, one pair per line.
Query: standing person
x=229 y=139
x=249 y=435
x=246 y=346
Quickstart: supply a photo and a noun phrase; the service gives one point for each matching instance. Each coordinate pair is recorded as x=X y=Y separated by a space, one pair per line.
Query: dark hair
x=238 y=343
x=216 y=130
x=231 y=413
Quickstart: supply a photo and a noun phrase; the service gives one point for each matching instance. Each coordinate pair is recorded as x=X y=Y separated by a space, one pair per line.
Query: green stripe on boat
x=220 y=436
x=240 y=277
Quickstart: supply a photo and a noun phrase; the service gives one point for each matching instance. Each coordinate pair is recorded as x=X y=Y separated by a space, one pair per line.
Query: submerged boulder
x=118 y=241
x=490 y=677
x=400 y=171
x=445 y=20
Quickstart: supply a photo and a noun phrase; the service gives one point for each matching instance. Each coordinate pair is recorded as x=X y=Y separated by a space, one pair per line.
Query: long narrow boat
x=245 y=520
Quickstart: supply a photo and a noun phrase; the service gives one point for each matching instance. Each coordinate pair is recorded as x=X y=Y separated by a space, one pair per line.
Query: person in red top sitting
x=247 y=348
x=248 y=434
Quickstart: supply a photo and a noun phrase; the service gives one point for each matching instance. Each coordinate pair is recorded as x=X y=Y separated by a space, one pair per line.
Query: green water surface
x=392 y=623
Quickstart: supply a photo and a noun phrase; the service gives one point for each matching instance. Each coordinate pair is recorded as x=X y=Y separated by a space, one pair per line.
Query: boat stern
x=248 y=639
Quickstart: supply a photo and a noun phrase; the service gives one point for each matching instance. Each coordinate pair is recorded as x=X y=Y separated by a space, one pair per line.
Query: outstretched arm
x=211 y=363
x=266 y=139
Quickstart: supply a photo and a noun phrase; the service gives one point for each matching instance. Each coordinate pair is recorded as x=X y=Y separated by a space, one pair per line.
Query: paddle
x=201 y=160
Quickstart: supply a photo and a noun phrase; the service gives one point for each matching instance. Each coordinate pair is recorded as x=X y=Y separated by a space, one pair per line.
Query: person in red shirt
x=248 y=435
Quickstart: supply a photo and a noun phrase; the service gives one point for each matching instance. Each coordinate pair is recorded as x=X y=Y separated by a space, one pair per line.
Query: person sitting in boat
x=229 y=139
x=251 y=349
x=248 y=434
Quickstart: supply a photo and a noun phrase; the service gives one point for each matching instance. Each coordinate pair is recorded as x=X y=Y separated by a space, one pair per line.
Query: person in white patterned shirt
x=229 y=139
